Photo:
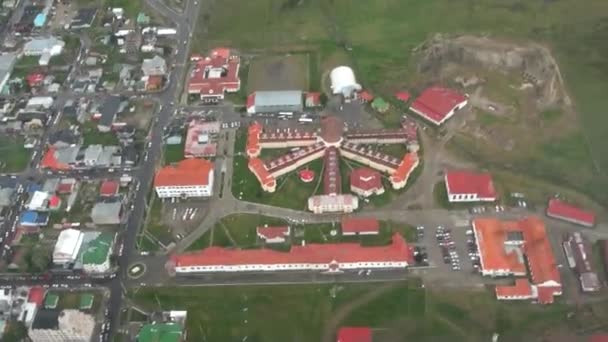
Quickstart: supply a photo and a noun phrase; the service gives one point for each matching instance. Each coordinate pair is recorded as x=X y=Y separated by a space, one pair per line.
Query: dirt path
x=345 y=310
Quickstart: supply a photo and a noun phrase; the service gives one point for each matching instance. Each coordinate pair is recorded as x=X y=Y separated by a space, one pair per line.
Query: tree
x=15 y=332
x=39 y=259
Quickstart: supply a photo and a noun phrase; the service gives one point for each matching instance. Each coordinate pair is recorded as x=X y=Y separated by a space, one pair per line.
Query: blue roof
x=29 y=217
x=34 y=187
x=40 y=20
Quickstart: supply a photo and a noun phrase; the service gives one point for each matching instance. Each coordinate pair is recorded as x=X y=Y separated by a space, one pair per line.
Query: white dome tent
x=343 y=82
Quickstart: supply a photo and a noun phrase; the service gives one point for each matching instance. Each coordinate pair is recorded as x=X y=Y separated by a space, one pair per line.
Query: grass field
x=288 y=72
x=13 y=156
x=396 y=312
x=239 y=230
x=383 y=34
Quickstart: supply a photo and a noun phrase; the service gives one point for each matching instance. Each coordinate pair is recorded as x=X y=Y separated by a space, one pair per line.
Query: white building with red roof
x=354 y=334
x=561 y=210
x=188 y=178
x=516 y=248
x=276 y=234
x=468 y=186
x=360 y=226
x=215 y=75
x=438 y=104
x=109 y=188
x=366 y=182
x=331 y=257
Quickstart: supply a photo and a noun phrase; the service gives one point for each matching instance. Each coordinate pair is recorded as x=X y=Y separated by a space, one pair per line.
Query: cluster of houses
x=38 y=310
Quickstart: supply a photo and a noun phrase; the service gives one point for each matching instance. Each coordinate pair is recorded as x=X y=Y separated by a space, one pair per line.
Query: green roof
x=160 y=332
x=86 y=301
x=98 y=249
x=379 y=104
x=51 y=301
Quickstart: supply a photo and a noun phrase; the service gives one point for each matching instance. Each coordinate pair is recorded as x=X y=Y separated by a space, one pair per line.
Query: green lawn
x=174 y=153
x=384 y=33
x=13 y=156
x=291 y=192
x=155 y=226
x=399 y=311
x=92 y=136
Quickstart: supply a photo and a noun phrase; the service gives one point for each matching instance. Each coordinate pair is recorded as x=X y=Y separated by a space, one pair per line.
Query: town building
x=84 y=18
x=366 y=182
x=7 y=63
x=467 y=186
x=511 y=248
x=95 y=257
x=580 y=259
x=201 y=139
x=312 y=99
x=108 y=188
x=188 y=178
x=52 y=325
x=276 y=234
x=332 y=257
x=354 y=334
x=360 y=226
x=43 y=47
x=106 y=213
x=167 y=326
x=564 y=211
x=438 y=104
x=215 y=75
x=343 y=82
x=67 y=246
x=331 y=143
x=106 y=113
x=275 y=101
x=155 y=66
x=33 y=219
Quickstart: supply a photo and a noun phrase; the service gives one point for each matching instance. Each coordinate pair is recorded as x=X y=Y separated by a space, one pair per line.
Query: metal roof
x=278 y=98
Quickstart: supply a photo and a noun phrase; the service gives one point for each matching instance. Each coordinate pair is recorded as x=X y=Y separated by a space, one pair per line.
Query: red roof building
x=306 y=175
x=437 y=104
x=108 y=188
x=201 y=139
x=36 y=295
x=189 y=178
x=154 y=82
x=331 y=257
x=273 y=234
x=366 y=182
x=214 y=75
x=354 y=334
x=521 y=290
x=360 y=226
x=258 y=168
x=567 y=212
x=54 y=202
x=467 y=186
x=365 y=96
x=402 y=96
x=402 y=174
x=506 y=246
x=253 y=147
x=49 y=161
x=313 y=99
x=66 y=186
x=35 y=79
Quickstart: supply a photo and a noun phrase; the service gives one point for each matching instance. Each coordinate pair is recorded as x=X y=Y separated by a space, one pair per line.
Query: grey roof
x=50 y=185
x=106 y=213
x=6 y=195
x=92 y=152
x=278 y=98
x=64 y=137
x=108 y=110
x=67 y=155
x=46 y=319
x=38 y=45
x=7 y=62
x=154 y=66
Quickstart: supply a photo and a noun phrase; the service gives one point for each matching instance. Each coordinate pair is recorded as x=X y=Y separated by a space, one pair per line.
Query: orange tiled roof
x=186 y=172
x=491 y=237
x=256 y=165
x=253 y=138
x=405 y=168
x=522 y=288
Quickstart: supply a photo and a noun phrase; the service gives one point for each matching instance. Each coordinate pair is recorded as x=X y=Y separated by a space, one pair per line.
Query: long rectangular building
x=275 y=101
x=331 y=257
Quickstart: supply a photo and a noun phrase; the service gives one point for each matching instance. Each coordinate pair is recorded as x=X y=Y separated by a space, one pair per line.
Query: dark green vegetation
x=396 y=311
x=13 y=156
x=378 y=38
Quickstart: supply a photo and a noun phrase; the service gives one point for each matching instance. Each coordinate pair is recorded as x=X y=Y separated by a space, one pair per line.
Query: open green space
x=278 y=72
x=291 y=192
x=174 y=153
x=395 y=311
x=13 y=156
x=378 y=40
x=154 y=223
x=239 y=231
x=92 y=136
